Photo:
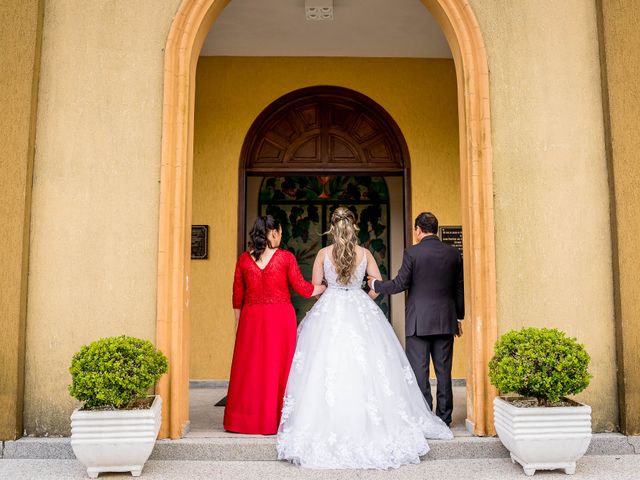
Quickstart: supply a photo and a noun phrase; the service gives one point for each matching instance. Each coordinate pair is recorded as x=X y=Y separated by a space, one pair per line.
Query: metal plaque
x=199 y=241
x=452 y=235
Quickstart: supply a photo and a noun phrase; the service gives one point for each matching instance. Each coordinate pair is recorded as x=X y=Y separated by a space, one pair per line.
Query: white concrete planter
x=115 y=440
x=543 y=438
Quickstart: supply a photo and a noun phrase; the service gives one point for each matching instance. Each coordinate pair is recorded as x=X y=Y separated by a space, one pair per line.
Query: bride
x=352 y=400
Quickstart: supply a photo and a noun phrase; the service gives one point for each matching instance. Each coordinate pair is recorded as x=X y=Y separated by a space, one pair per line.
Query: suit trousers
x=438 y=348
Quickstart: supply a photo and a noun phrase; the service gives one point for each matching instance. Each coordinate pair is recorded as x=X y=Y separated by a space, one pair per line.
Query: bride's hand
x=318 y=290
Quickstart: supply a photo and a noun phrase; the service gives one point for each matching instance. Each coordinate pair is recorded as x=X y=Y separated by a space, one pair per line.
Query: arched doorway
x=324 y=130
x=321 y=147
x=184 y=42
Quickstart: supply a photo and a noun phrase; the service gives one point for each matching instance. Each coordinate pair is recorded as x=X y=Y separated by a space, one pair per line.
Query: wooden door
x=323 y=130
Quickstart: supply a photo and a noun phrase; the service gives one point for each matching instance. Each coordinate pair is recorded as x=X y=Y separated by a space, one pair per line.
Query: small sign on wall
x=199 y=242
x=452 y=235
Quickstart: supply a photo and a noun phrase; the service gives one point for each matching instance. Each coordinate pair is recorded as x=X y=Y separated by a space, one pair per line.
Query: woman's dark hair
x=261 y=227
x=427 y=222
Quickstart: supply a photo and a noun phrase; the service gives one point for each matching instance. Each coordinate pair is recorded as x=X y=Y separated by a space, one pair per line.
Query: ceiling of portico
x=360 y=28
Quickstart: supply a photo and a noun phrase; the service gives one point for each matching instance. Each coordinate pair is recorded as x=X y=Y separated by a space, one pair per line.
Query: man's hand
x=459 y=334
x=370 y=280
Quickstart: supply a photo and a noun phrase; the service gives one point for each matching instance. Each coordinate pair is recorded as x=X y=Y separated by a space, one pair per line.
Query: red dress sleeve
x=238 y=285
x=297 y=281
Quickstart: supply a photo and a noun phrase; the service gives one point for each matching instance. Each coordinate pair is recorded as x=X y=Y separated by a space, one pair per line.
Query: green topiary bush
x=539 y=362
x=115 y=371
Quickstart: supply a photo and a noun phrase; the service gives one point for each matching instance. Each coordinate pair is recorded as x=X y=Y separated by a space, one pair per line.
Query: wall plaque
x=199 y=241
x=452 y=235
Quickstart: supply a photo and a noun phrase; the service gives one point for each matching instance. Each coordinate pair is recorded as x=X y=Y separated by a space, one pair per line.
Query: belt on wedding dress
x=335 y=287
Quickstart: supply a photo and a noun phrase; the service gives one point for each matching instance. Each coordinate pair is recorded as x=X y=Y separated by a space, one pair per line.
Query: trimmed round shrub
x=115 y=372
x=539 y=362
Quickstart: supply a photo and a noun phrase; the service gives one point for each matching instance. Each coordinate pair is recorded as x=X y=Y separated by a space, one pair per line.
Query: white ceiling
x=360 y=28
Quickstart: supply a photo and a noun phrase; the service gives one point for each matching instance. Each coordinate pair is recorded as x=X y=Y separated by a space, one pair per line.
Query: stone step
x=263 y=448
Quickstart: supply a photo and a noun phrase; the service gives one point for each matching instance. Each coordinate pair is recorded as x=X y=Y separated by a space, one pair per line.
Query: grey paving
x=623 y=467
x=208 y=443
x=635 y=443
x=261 y=448
x=466 y=448
x=225 y=383
x=240 y=448
x=216 y=449
x=206 y=419
x=42 y=447
x=610 y=444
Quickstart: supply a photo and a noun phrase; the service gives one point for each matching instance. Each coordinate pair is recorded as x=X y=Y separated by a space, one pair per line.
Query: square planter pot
x=543 y=438
x=115 y=440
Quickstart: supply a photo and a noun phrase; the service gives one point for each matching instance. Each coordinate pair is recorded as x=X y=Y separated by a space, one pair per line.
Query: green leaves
x=114 y=371
x=539 y=362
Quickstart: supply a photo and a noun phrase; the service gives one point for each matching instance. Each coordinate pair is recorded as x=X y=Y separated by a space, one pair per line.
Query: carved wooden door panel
x=324 y=129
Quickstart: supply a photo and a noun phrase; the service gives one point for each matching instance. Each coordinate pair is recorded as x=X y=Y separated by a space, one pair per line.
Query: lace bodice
x=252 y=285
x=332 y=277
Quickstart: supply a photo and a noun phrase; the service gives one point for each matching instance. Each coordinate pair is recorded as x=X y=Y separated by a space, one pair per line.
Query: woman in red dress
x=266 y=331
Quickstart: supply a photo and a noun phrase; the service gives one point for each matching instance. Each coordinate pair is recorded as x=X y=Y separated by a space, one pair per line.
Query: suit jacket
x=432 y=273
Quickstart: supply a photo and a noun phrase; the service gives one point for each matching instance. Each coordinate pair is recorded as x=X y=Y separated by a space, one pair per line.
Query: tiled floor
x=206 y=418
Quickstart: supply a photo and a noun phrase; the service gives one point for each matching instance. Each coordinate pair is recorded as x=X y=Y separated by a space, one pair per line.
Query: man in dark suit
x=432 y=273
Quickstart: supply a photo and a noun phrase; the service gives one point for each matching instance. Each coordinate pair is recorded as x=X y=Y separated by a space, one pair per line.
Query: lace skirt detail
x=349 y=452
x=352 y=400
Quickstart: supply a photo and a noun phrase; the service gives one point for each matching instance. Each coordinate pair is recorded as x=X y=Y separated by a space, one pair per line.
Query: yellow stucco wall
x=93 y=259
x=95 y=194
x=232 y=91
x=553 y=244
x=621 y=36
x=19 y=37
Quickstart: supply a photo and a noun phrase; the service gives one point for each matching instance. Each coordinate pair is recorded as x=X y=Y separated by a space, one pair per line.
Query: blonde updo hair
x=345 y=239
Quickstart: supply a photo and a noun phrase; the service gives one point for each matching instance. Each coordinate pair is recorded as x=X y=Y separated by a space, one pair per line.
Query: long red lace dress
x=265 y=342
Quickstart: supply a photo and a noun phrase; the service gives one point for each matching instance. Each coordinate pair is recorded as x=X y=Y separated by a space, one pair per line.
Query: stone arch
x=186 y=36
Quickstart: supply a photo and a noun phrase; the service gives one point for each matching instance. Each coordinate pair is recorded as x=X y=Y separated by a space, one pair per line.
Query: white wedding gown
x=352 y=400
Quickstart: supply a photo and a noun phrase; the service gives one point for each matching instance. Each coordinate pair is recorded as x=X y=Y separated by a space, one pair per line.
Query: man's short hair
x=427 y=222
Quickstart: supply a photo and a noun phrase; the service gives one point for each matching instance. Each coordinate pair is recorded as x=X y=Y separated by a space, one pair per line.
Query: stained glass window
x=304 y=204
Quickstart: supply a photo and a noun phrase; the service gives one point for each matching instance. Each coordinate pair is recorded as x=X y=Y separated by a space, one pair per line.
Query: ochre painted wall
x=621 y=42
x=92 y=266
x=20 y=34
x=93 y=260
x=232 y=91
x=553 y=243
